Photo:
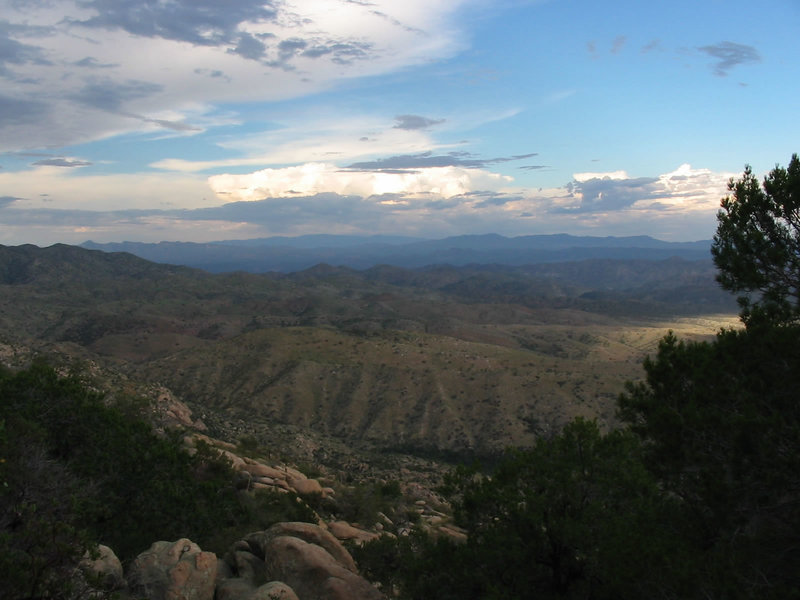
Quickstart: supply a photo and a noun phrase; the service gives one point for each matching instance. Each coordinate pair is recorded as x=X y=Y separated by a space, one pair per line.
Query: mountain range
x=287 y=254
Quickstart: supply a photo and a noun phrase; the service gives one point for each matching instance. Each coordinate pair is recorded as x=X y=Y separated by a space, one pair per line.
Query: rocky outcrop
x=173 y=571
x=307 y=532
x=296 y=560
x=257 y=475
x=345 y=531
x=288 y=561
x=313 y=573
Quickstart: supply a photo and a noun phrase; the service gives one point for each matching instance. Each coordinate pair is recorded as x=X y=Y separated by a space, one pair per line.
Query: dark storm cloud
x=61 y=162
x=602 y=195
x=199 y=22
x=428 y=159
x=730 y=55
x=109 y=95
x=411 y=122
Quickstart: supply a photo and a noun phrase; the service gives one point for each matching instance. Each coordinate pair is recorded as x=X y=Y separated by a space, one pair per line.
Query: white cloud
x=617 y=175
x=51 y=204
x=103 y=71
x=316 y=178
x=323 y=138
x=49 y=187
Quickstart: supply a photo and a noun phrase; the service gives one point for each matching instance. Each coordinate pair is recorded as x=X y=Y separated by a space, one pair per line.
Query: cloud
x=109 y=95
x=61 y=162
x=8 y=200
x=415 y=122
x=198 y=22
x=186 y=58
x=425 y=160
x=249 y=47
x=15 y=112
x=314 y=178
x=602 y=194
x=684 y=190
x=91 y=62
x=618 y=43
x=730 y=55
x=16 y=53
x=679 y=205
x=651 y=46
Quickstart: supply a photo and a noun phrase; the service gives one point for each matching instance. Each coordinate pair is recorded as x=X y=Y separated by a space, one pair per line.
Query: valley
x=441 y=361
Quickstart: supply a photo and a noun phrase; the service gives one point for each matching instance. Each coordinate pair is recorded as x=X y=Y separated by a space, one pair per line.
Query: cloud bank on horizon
x=199 y=120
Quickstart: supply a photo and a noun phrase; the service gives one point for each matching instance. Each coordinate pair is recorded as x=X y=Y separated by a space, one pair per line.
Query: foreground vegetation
x=75 y=472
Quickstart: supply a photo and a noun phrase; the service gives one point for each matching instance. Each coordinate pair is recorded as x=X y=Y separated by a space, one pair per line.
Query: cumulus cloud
x=684 y=190
x=314 y=198
x=730 y=55
x=314 y=178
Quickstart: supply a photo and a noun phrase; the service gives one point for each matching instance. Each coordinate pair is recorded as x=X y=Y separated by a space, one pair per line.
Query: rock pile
x=258 y=475
x=288 y=561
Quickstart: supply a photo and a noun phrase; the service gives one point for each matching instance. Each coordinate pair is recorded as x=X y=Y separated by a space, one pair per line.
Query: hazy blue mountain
x=284 y=254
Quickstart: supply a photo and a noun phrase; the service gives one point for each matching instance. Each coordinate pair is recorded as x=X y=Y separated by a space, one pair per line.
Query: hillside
x=437 y=359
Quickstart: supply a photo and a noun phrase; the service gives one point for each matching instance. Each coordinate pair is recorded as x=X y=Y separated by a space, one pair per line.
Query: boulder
x=236 y=461
x=260 y=470
x=313 y=534
x=234 y=589
x=247 y=566
x=173 y=571
x=313 y=573
x=274 y=590
x=105 y=569
x=305 y=487
x=342 y=530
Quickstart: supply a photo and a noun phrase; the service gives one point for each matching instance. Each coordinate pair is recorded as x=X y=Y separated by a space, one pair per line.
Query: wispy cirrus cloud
x=730 y=55
x=62 y=162
x=426 y=160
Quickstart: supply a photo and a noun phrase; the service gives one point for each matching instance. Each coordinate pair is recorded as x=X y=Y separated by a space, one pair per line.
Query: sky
x=203 y=120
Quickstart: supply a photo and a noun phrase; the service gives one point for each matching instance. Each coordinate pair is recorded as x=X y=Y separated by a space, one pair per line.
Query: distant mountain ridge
x=289 y=254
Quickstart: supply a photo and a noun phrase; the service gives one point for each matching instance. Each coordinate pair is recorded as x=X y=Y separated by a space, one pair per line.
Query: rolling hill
x=441 y=359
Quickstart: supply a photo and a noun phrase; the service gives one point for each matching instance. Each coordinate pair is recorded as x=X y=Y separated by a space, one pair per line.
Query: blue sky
x=202 y=120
